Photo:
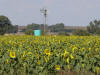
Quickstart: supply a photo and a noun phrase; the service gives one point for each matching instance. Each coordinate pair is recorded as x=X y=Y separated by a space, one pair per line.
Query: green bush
x=5 y=25
x=97 y=32
x=81 y=33
x=29 y=32
x=63 y=33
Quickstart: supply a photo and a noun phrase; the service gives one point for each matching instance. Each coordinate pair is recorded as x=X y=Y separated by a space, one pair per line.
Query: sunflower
x=45 y=59
x=97 y=69
x=66 y=53
x=72 y=57
x=24 y=53
x=47 y=51
x=12 y=54
x=38 y=62
x=7 y=61
x=67 y=60
x=57 y=67
x=83 y=65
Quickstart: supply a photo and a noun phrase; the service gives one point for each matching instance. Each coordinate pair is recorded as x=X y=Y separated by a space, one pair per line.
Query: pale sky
x=69 y=12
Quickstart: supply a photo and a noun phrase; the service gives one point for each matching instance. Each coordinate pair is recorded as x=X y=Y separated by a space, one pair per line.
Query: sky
x=69 y=12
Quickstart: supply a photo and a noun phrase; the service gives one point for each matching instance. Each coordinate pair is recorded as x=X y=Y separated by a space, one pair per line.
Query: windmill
x=44 y=12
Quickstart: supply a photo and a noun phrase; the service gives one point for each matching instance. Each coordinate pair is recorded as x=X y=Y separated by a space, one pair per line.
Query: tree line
x=7 y=27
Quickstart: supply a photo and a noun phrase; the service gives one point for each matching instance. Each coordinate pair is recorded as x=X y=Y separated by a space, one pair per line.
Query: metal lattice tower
x=44 y=11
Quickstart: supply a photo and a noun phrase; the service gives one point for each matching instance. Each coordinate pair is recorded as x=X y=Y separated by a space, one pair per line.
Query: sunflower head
x=12 y=54
x=45 y=59
x=72 y=57
x=7 y=61
x=38 y=62
x=47 y=51
x=57 y=67
x=67 y=60
x=98 y=69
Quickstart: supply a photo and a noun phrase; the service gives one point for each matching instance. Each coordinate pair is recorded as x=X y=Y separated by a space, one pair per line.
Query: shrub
x=63 y=33
x=29 y=32
x=81 y=33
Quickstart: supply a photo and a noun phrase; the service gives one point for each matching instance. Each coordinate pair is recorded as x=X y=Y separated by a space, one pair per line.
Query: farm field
x=49 y=55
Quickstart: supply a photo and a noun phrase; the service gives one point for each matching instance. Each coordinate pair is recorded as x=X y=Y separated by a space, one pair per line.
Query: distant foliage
x=63 y=33
x=5 y=24
x=33 y=26
x=29 y=32
x=57 y=28
x=13 y=29
x=94 y=27
x=81 y=33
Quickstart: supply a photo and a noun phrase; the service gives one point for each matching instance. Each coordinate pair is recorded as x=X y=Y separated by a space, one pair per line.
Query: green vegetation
x=81 y=33
x=5 y=24
x=29 y=55
x=29 y=32
x=94 y=27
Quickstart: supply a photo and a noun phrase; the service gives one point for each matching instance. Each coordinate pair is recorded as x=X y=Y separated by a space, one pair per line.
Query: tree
x=81 y=33
x=5 y=24
x=13 y=29
x=63 y=33
x=33 y=26
x=94 y=27
x=57 y=28
x=29 y=32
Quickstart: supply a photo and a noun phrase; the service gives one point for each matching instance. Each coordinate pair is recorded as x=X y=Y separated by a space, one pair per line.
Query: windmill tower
x=44 y=12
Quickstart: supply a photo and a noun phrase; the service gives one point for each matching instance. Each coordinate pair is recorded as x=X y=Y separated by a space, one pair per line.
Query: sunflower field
x=45 y=55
